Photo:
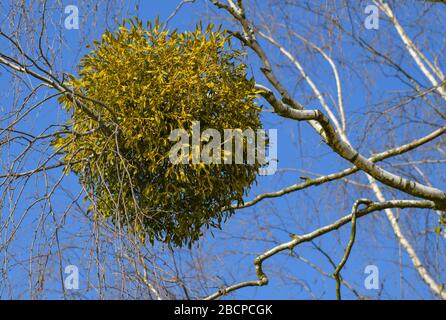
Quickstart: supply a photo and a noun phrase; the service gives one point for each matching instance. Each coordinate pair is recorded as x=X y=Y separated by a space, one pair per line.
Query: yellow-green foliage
x=152 y=81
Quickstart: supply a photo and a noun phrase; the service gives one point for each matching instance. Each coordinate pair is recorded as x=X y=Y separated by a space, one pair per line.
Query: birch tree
x=357 y=89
